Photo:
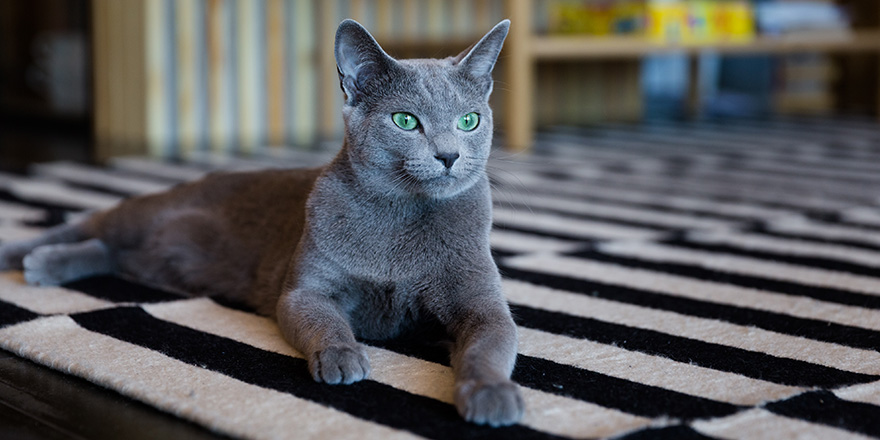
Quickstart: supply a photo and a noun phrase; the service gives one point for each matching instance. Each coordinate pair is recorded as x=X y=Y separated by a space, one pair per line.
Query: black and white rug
x=698 y=280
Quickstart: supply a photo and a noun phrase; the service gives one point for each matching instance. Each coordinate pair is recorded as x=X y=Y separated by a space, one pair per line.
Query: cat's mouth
x=437 y=182
x=445 y=185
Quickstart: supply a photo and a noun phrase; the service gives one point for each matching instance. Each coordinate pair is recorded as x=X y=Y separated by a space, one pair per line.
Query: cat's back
x=229 y=189
x=239 y=200
x=264 y=205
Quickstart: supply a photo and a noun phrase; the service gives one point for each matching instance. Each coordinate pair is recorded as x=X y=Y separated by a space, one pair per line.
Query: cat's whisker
x=510 y=190
x=399 y=182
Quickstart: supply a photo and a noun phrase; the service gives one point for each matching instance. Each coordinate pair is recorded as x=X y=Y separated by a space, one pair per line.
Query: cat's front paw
x=493 y=404
x=45 y=266
x=340 y=364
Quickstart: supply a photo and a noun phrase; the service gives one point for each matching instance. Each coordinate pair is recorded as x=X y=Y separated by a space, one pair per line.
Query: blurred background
x=87 y=80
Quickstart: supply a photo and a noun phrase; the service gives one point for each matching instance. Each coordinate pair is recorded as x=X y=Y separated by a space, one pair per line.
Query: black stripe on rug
x=837 y=219
x=53 y=214
x=577 y=383
x=671 y=189
x=677 y=432
x=763 y=230
x=824 y=407
x=367 y=399
x=706 y=213
x=801 y=260
x=8 y=196
x=525 y=208
x=119 y=290
x=746 y=363
x=11 y=314
x=825 y=331
x=102 y=189
x=827 y=294
x=611 y=392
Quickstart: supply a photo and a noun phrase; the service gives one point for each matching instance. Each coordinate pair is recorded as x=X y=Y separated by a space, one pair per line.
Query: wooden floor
x=39 y=403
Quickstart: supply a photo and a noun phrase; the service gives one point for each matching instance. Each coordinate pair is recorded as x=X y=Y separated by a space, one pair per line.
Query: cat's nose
x=447 y=158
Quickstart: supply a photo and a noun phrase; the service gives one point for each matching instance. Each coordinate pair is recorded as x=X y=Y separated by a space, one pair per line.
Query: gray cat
x=393 y=231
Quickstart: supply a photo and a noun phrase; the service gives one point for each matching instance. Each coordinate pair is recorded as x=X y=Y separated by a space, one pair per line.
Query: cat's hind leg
x=12 y=254
x=55 y=264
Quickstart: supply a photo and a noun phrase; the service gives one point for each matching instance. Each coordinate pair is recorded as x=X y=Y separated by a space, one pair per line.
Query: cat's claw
x=336 y=364
x=493 y=404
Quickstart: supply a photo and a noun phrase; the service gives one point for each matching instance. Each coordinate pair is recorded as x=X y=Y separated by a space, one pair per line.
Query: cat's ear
x=359 y=59
x=479 y=59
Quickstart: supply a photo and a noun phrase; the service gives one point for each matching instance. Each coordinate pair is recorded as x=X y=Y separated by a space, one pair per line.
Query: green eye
x=405 y=121
x=469 y=121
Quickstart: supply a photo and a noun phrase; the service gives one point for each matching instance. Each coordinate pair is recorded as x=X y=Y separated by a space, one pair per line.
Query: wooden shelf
x=588 y=47
x=524 y=49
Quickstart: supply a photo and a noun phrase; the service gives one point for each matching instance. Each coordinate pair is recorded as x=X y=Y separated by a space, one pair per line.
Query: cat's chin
x=445 y=186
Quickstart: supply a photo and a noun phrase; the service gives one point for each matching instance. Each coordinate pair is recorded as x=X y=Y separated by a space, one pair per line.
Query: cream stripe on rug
x=665 y=219
x=703 y=290
x=85 y=175
x=46 y=300
x=622 y=194
x=518 y=242
x=651 y=370
x=18 y=213
x=55 y=192
x=745 y=266
x=752 y=241
x=760 y=424
x=800 y=225
x=180 y=388
x=576 y=228
x=716 y=332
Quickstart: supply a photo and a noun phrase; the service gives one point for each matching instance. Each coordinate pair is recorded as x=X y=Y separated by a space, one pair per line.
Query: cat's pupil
x=405 y=121
x=469 y=121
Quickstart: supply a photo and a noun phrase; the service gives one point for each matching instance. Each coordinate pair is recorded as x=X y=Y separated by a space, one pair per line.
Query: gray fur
x=384 y=236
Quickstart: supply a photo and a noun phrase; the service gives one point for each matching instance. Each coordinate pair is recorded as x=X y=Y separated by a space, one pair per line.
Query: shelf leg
x=520 y=78
x=695 y=96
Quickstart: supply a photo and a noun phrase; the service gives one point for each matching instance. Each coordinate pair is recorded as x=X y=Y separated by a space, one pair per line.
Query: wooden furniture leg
x=520 y=78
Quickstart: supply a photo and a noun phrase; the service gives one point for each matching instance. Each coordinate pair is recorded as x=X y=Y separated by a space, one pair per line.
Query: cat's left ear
x=360 y=61
x=479 y=59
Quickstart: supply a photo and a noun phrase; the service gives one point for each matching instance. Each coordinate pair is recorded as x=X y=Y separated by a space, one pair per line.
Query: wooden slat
x=158 y=129
x=304 y=99
x=276 y=70
x=187 y=76
x=587 y=47
x=249 y=80
x=219 y=74
x=120 y=79
x=329 y=82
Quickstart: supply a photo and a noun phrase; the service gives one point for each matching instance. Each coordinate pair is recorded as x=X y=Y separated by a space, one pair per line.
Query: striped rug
x=697 y=280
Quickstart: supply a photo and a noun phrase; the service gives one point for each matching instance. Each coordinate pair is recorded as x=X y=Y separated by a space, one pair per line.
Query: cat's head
x=417 y=127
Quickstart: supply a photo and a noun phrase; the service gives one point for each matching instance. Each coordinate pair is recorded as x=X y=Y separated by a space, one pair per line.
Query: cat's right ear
x=359 y=60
